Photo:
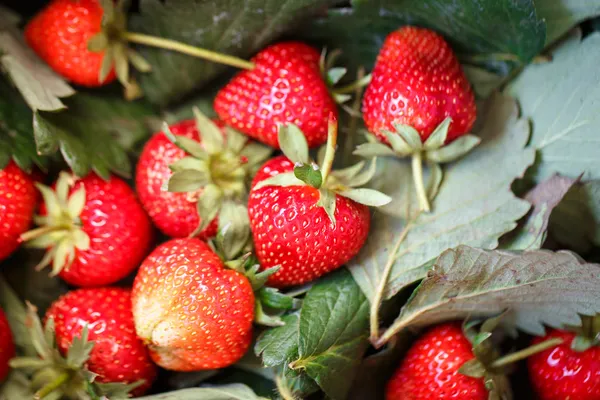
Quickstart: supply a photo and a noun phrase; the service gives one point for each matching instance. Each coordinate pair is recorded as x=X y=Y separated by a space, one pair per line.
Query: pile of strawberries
x=237 y=220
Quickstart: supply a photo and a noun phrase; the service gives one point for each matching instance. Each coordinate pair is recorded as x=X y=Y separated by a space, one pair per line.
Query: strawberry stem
x=351 y=87
x=52 y=386
x=529 y=351
x=417 y=170
x=169 y=44
x=332 y=132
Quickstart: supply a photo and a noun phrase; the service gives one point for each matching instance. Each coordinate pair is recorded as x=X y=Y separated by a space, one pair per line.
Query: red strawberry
x=118 y=355
x=17 y=204
x=418 y=81
x=561 y=373
x=7 y=347
x=430 y=368
x=173 y=213
x=192 y=312
x=96 y=231
x=59 y=34
x=284 y=87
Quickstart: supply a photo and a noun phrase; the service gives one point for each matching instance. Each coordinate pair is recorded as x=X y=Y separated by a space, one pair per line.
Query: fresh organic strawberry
x=201 y=176
x=95 y=231
x=17 y=205
x=430 y=368
x=117 y=355
x=7 y=347
x=285 y=86
x=59 y=34
x=418 y=81
x=312 y=226
x=563 y=373
x=190 y=310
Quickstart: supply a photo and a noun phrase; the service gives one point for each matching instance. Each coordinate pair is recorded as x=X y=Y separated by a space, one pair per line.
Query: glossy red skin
x=18 y=199
x=561 y=373
x=430 y=368
x=418 y=81
x=194 y=313
x=118 y=354
x=290 y=230
x=59 y=34
x=284 y=87
x=119 y=230
x=175 y=214
x=7 y=346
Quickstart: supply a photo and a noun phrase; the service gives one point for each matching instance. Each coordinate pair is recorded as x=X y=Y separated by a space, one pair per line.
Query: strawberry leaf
x=474 y=206
x=560 y=97
x=562 y=15
x=235 y=391
x=279 y=345
x=537 y=287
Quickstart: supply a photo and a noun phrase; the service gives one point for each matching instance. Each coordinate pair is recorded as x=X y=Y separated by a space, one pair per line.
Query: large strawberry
x=193 y=170
x=570 y=370
x=419 y=101
x=285 y=86
x=7 y=346
x=192 y=311
x=17 y=205
x=95 y=231
x=307 y=220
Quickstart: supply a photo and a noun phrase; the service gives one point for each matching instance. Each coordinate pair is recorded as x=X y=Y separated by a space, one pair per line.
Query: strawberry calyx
x=60 y=231
x=216 y=173
x=588 y=334
x=405 y=141
x=333 y=75
x=320 y=176
x=54 y=375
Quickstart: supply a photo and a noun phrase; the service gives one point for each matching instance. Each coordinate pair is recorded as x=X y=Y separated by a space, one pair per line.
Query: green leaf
x=333 y=333
x=560 y=98
x=476 y=216
x=279 y=345
x=239 y=28
x=234 y=391
x=293 y=143
x=309 y=174
x=562 y=15
x=273 y=298
x=538 y=287
x=531 y=232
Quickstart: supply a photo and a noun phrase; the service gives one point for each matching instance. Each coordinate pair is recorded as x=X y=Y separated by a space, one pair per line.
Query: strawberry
x=304 y=219
x=202 y=177
x=564 y=373
x=95 y=231
x=7 y=346
x=17 y=204
x=117 y=355
x=430 y=368
x=418 y=81
x=59 y=34
x=192 y=312
x=285 y=86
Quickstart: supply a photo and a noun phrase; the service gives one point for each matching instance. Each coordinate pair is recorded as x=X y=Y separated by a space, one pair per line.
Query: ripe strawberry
x=561 y=373
x=17 y=205
x=173 y=213
x=284 y=87
x=95 y=231
x=59 y=34
x=418 y=81
x=309 y=228
x=430 y=368
x=7 y=347
x=118 y=355
x=192 y=312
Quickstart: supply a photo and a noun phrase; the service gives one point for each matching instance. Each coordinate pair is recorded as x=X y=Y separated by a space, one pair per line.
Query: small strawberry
x=203 y=175
x=17 y=204
x=95 y=231
x=191 y=311
x=59 y=34
x=307 y=220
x=419 y=101
x=570 y=371
x=285 y=86
x=7 y=346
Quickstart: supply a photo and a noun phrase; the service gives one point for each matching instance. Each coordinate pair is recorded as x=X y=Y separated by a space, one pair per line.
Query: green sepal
x=400 y=147
x=293 y=144
x=473 y=368
x=263 y=318
x=256 y=154
x=116 y=390
x=434 y=182
x=284 y=179
x=335 y=74
x=309 y=174
x=186 y=144
x=234 y=228
x=273 y=298
x=348 y=173
x=212 y=136
x=208 y=206
x=80 y=349
x=438 y=137
x=327 y=200
x=187 y=180
x=363 y=177
x=368 y=197
x=373 y=150
x=409 y=134
x=341 y=98
x=235 y=140
x=258 y=279
x=188 y=163
x=454 y=150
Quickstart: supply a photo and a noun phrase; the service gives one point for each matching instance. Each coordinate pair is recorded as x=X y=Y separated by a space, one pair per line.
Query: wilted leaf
x=562 y=15
x=225 y=392
x=538 y=287
x=561 y=98
x=475 y=204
